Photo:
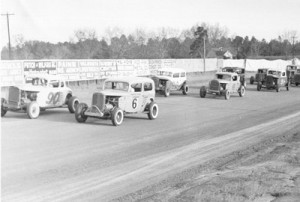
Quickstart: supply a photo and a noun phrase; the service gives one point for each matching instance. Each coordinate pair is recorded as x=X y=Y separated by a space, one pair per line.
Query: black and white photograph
x=150 y=100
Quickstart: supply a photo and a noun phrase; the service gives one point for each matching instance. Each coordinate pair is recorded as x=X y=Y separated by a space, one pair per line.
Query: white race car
x=40 y=92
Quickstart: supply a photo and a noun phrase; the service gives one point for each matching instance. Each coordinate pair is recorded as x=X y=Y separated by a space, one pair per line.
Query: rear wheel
x=33 y=110
x=117 y=116
x=252 y=80
x=72 y=104
x=185 y=89
x=79 y=112
x=242 y=91
x=227 y=94
x=3 y=109
x=167 y=92
x=202 y=91
x=153 y=111
x=297 y=84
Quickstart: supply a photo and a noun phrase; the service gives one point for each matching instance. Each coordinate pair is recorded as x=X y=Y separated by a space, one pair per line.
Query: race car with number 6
x=38 y=93
x=119 y=96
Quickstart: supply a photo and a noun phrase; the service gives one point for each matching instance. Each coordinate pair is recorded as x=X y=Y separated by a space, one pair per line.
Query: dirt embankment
x=269 y=171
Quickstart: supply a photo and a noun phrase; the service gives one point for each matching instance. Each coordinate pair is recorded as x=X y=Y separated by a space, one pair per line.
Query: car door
x=135 y=101
x=54 y=94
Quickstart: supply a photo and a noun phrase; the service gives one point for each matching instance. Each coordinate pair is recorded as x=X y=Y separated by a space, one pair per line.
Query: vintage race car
x=40 y=92
x=260 y=76
x=224 y=84
x=275 y=80
x=297 y=77
x=291 y=71
x=169 y=79
x=119 y=96
x=239 y=70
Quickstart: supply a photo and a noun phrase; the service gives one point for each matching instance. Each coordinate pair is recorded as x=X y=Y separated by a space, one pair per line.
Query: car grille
x=98 y=100
x=269 y=81
x=13 y=96
x=297 y=78
x=214 y=85
x=259 y=77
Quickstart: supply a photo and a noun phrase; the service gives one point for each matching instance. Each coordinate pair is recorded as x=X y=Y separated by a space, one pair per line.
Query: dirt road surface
x=54 y=158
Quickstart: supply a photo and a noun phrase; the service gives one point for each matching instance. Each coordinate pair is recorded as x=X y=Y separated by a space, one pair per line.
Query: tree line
x=165 y=44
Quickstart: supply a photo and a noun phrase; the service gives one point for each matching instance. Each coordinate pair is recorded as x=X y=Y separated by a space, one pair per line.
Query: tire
x=33 y=110
x=287 y=87
x=185 y=89
x=167 y=92
x=167 y=89
x=252 y=80
x=202 y=91
x=259 y=86
x=72 y=104
x=153 y=111
x=117 y=116
x=277 y=88
x=227 y=94
x=242 y=91
x=297 y=84
x=3 y=109
x=79 y=113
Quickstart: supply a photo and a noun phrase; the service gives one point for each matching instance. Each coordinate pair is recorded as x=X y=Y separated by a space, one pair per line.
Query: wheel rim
x=35 y=110
x=75 y=104
x=154 y=111
x=119 y=117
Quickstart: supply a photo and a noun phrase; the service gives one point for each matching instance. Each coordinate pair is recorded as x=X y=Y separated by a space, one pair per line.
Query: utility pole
x=293 y=51
x=9 y=47
x=204 y=52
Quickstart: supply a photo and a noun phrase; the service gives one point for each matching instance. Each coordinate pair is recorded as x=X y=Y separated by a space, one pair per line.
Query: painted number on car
x=53 y=98
x=134 y=103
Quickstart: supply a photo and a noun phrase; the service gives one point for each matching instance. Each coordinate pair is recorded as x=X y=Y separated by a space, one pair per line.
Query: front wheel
x=117 y=116
x=277 y=88
x=185 y=89
x=3 y=109
x=242 y=91
x=79 y=112
x=202 y=91
x=227 y=94
x=259 y=86
x=72 y=104
x=33 y=110
x=153 y=111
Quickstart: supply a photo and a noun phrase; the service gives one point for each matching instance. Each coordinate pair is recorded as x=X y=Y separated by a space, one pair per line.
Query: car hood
x=223 y=81
x=114 y=92
x=164 y=77
x=29 y=87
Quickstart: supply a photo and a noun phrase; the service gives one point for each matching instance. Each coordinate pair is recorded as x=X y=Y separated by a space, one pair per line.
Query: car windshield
x=273 y=72
x=224 y=77
x=165 y=73
x=261 y=71
x=228 y=69
x=116 y=85
x=36 y=81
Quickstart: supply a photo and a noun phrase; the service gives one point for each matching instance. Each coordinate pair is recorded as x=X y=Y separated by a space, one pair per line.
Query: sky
x=56 y=20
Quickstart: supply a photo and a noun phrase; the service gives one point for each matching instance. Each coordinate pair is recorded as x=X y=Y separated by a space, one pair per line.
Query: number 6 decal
x=134 y=103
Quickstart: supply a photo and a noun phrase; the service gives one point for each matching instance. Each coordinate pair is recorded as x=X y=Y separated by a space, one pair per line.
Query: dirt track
x=54 y=158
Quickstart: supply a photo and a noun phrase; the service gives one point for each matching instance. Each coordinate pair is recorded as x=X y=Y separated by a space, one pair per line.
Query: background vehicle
x=224 y=84
x=40 y=92
x=169 y=79
x=290 y=71
x=260 y=76
x=239 y=70
x=128 y=95
x=275 y=80
x=297 y=77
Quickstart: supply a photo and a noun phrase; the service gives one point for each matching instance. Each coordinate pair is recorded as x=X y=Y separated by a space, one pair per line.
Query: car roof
x=227 y=73
x=44 y=76
x=174 y=70
x=277 y=70
x=130 y=79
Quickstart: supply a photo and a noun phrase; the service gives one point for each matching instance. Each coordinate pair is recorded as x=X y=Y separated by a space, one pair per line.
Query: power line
x=7 y=18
